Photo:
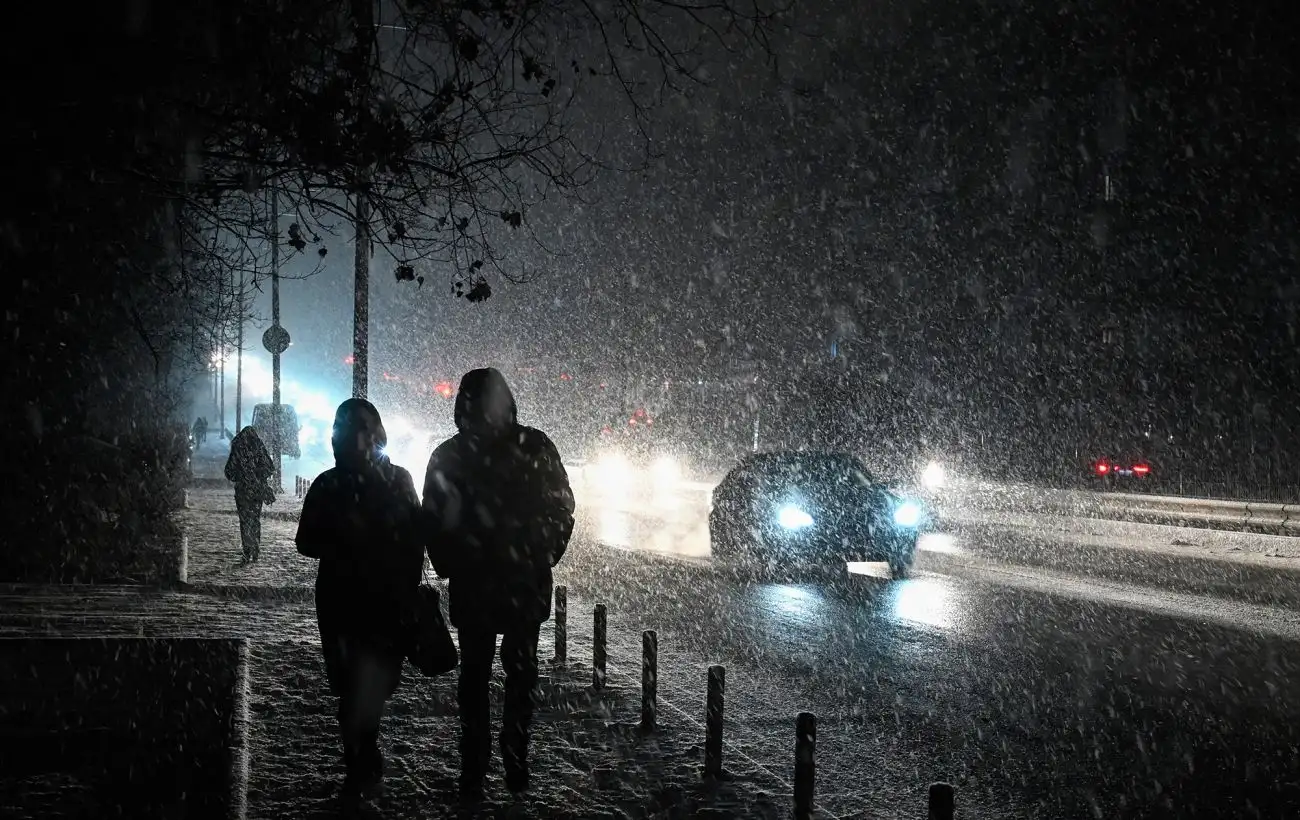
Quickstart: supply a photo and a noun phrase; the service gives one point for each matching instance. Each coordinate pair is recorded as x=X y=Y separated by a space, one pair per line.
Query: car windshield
x=814 y=468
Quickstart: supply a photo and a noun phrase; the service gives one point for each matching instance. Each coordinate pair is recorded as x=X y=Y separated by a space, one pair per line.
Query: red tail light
x=1102 y=468
x=1141 y=469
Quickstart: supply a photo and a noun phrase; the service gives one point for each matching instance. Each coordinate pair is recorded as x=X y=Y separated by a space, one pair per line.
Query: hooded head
x=484 y=403
x=359 y=436
x=246 y=442
x=248 y=434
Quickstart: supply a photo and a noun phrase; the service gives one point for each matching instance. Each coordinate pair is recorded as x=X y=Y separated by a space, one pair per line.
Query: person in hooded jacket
x=361 y=520
x=500 y=503
x=250 y=467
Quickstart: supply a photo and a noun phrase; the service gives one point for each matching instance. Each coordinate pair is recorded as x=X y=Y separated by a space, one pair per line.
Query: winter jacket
x=499 y=511
x=363 y=525
x=249 y=467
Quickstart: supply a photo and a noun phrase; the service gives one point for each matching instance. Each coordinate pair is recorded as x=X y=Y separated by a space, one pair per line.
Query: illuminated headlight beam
x=665 y=473
x=793 y=518
x=907 y=514
x=933 y=477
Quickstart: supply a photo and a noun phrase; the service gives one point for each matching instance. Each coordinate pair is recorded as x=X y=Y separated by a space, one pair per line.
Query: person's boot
x=365 y=770
x=515 y=763
x=470 y=787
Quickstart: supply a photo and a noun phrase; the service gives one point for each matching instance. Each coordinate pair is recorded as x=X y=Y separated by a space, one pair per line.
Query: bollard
x=183 y=562
x=713 y=722
x=942 y=801
x=649 y=679
x=561 y=624
x=598 y=649
x=805 y=764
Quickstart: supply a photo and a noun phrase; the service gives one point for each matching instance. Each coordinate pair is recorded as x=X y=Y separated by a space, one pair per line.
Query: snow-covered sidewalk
x=589 y=758
x=211 y=528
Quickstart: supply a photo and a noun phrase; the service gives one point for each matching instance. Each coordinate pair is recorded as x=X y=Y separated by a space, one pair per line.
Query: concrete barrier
x=124 y=727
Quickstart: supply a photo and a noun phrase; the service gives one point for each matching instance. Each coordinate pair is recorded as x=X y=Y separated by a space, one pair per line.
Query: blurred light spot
x=923 y=601
x=938 y=542
x=793 y=518
x=615 y=529
x=933 y=477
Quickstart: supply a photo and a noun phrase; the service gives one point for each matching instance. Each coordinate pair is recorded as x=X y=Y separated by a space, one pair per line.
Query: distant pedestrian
x=500 y=509
x=361 y=519
x=250 y=468
x=200 y=432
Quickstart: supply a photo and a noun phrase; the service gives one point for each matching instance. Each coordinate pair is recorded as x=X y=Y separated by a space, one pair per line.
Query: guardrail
x=1244 y=514
x=1211 y=513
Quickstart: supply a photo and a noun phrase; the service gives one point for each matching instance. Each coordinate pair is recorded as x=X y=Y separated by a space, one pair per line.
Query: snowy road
x=1047 y=673
x=1085 y=689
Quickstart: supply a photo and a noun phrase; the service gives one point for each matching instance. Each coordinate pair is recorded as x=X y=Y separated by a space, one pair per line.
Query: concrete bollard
x=805 y=764
x=713 y=722
x=561 y=624
x=598 y=649
x=183 y=561
x=649 y=680
x=942 y=801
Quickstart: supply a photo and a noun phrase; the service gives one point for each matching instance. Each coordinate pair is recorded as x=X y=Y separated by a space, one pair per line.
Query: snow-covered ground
x=589 y=758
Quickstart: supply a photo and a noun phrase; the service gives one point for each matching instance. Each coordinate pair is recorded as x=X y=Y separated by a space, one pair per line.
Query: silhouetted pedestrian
x=498 y=499
x=250 y=468
x=361 y=519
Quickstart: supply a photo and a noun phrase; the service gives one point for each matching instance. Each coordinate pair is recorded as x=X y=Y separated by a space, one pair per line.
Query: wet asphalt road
x=1095 y=699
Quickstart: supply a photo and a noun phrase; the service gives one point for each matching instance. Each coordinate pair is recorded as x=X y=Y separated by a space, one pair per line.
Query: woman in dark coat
x=249 y=468
x=361 y=520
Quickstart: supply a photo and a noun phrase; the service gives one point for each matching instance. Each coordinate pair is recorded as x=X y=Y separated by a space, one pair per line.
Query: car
x=782 y=511
x=1128 y=473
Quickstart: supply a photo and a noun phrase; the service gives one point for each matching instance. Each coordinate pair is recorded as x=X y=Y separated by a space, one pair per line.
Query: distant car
x=1112 y=473
x=787 y=510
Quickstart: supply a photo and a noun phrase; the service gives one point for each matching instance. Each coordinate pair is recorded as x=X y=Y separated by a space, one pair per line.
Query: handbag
x=430 y=648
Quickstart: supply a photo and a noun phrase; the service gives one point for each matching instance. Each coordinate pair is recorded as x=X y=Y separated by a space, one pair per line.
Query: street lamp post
x=239 y=361
x=276 y=341
x=361 y=301
x=275 y=322
x=221 y=393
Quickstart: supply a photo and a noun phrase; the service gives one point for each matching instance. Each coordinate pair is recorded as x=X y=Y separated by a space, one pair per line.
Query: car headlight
x=665 y=473
x=613 y=473
x=907 y=514
x=793 y=518
x=933 y=477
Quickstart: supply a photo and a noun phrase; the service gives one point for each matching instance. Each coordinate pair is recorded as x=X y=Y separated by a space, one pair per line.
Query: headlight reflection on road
x=800 y=604
x=922 y=600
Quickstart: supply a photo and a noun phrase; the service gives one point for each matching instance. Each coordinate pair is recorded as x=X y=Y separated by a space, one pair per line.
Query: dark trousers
x=519 y=660
x=250 y=525
x=364 y=678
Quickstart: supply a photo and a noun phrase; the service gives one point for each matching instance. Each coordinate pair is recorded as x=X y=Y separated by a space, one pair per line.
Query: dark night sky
x=928 y=177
